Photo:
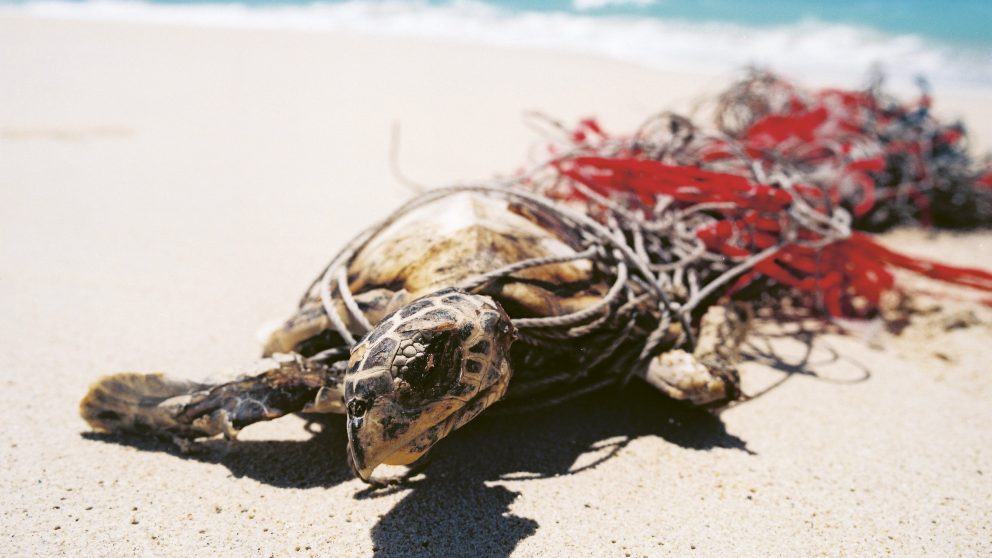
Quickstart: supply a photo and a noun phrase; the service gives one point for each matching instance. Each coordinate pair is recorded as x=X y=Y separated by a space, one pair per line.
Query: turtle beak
x=388 y=433
x=356 y=451
x=381 y=429
x=369 y=398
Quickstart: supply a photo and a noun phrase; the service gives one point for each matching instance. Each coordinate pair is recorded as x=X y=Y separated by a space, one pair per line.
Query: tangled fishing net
x=777 y=197
x=886 y=162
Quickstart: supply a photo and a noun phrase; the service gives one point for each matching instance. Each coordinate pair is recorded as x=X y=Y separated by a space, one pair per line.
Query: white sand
x=165 y=190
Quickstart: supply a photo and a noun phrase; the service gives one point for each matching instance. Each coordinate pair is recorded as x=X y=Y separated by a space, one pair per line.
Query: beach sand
x=166 y=190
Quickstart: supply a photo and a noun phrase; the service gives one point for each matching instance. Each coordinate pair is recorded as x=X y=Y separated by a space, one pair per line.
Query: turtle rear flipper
x=685 y=377
x=708 y=376
x=156 y=404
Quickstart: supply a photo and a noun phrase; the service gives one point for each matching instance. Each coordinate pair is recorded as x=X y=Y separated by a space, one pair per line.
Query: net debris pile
x=781 y=195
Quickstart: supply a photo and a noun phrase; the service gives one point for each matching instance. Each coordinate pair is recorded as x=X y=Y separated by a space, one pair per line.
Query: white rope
x=349 y=301
x=505 y=271
x=567 y=320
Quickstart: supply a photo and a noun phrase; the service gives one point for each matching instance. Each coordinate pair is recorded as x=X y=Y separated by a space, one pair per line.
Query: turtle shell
x=459 y=237
x=442 y=244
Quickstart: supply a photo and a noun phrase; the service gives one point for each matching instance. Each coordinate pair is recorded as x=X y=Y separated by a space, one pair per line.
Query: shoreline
x=812 y=51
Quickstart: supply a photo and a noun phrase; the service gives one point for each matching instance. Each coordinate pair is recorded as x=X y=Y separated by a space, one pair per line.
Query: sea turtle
x=460 y=300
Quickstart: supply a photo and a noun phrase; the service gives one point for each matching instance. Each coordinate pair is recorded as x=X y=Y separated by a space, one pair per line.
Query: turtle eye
x=357 y=407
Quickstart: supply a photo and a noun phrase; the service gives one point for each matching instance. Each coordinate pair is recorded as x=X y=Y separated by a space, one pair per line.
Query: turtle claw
x=187 y=446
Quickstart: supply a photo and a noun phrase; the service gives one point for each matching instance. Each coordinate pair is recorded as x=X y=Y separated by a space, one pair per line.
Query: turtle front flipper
x=156 y=404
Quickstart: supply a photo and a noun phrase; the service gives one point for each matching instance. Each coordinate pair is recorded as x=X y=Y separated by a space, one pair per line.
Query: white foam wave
x=812 y=51
x=584 y=5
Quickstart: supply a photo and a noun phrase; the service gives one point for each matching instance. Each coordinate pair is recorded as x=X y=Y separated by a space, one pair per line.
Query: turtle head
x=424 y=371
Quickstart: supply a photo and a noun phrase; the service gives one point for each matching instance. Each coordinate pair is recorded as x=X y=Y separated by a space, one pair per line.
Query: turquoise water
x=838 y=42
x=956 y=21
x=967 y=21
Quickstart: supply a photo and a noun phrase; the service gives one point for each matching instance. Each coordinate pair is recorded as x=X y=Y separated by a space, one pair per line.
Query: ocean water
x=840 y=42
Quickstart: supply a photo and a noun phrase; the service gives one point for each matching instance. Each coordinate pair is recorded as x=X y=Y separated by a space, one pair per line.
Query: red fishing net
x=783 y=193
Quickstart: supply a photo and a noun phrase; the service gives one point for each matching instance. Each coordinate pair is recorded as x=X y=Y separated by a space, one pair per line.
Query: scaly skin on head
x=421 y=373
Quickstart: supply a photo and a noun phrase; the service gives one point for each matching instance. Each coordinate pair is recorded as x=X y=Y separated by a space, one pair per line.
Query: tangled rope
x=653 y=260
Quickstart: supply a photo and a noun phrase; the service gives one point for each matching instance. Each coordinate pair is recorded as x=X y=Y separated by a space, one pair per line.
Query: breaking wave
x=813 y=51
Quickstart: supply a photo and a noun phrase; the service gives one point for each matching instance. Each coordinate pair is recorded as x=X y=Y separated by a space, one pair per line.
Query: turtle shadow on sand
x=555 y=441
x=320 y=461
x=457 y=505
x=454 y=504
